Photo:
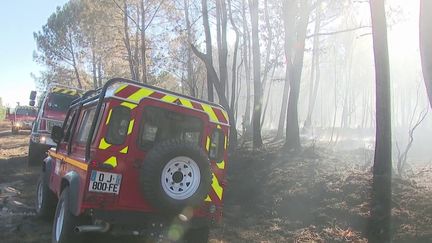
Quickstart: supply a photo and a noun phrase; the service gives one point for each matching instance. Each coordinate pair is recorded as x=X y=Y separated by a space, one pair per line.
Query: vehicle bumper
x=42 y=138
x=22 y=125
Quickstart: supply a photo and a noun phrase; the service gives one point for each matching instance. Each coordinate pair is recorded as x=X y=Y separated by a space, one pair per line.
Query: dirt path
x=314 y=196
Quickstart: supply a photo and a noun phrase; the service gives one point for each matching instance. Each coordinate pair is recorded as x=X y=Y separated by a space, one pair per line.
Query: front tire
x=45 y=199
x=65 y=221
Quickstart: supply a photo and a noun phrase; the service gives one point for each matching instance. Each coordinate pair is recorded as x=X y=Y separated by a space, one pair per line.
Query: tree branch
x=338 y=32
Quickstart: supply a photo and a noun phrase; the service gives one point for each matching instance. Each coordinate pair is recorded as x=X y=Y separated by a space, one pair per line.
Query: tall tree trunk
x=223 y=45
x=99 y=71
x=143 y=44
x=136 y=56
x=209 y=52
x=289 y=19
x=282 y=115
x=213 y=77
x=94 y=69
x=189 y=67
x=292 y=127
x=127 y=40
x=256 y=115
x=246 y=51
x=426 y=44
x=234 y=62
x=269 y=45
x=380 y=219
x=315 y=70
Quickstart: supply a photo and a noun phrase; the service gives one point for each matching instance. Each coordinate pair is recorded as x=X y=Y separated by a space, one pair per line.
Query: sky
x=18 y=20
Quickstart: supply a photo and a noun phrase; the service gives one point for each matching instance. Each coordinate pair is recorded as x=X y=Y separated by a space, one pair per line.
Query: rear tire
x=65 y=221
x=45 y=199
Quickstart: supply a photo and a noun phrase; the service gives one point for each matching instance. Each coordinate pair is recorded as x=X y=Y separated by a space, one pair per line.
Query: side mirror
x=33 y=95
x=32 y=98
x=57 y=134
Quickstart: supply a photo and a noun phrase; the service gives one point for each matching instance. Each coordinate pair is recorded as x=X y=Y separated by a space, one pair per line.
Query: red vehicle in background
x=53 y=107
x=21 y=118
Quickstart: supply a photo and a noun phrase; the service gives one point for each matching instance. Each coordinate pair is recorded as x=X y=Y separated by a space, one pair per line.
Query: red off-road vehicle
x=53 y=107
x=132 y=158
x=22 y=118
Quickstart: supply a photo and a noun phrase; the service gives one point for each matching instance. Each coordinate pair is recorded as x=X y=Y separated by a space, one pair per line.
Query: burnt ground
x=317 y=195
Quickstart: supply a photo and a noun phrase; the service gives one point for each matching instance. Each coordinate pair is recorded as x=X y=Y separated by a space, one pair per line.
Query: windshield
x=25 y=112
x=59 y=102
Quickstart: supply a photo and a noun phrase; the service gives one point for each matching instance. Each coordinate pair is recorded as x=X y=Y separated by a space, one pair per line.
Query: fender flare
x=47 y=168
x=73 y=181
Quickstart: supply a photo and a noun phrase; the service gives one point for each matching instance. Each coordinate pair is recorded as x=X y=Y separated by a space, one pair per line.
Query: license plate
x=105 y=182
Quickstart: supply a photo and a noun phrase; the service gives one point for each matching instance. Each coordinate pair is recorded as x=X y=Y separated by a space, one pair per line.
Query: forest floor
x=316 y=195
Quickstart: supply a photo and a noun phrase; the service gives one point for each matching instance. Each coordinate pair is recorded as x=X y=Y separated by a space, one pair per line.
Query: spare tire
x=175 y=175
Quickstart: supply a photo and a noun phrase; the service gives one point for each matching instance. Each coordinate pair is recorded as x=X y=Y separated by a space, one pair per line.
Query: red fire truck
x=21 y=118
x=53 y=106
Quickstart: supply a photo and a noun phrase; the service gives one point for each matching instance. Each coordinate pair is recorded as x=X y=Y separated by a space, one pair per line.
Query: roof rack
x=99 y=94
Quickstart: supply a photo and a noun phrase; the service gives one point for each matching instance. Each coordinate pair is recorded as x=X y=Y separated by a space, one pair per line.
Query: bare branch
x=339 y=31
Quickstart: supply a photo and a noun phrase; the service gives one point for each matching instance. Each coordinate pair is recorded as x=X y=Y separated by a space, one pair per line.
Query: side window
x=84 y=129
x=68 y=125
x=118 y=125
x=217 y=144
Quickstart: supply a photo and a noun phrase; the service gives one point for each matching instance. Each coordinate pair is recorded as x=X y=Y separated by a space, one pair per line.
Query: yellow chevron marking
x=208 y=144
x=128 y=105
x=219 y=127
x=109 y=117
x=120 y=88
x=72 y=92
x=169 y=98
x=208 y=199
x=124 y=150
x=225 y=115
x=208 y=109
x=141 y=93
x=186 y=103
x=111 y=161
x=217 y=187
x=131 y=124
x=103 y=144
x=221 y=165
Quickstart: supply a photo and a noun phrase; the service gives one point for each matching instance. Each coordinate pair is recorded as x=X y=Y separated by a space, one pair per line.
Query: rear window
x=158 y=125
x=118 y=125
x=59 y=102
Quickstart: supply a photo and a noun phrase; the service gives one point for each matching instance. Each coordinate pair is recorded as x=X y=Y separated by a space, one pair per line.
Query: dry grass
x=5 y=125
x=14 y=145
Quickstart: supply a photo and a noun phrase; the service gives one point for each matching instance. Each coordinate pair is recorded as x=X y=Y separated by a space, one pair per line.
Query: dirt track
x=314 y=196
